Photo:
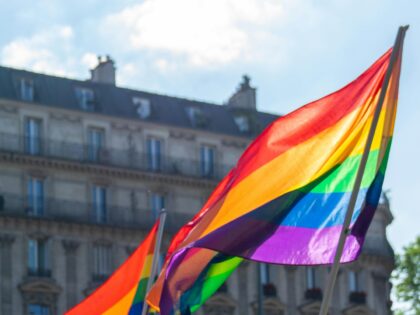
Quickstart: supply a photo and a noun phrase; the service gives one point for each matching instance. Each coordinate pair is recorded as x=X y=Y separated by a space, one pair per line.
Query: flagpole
x=155 y=261
x=345 y=229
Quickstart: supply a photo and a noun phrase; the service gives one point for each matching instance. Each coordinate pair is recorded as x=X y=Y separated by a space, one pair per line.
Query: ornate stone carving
x=70 y=246
x=220 y=304
x=40 y=291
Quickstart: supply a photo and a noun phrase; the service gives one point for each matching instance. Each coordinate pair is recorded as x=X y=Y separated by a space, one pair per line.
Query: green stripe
x=212 y=277
x=341 y=178
x=141 y=291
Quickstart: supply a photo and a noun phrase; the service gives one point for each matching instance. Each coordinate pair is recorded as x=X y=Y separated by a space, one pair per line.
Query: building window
x=144 y=108
x=99 y=204
x=101 y=262
x=154 y=158
x=207 y=154
x=242 y=122
x=38 y=258
x=38 y=309
x=157 y=203
x=310 y=278
x=33 y=136
x=265 y=273
x=96 y=140
x=196 y=116
x=26 y=90
x=353 y=281
x=35 y=191
x=85 y=98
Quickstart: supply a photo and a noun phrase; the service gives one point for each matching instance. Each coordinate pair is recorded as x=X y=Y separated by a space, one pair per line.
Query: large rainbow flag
x=125 y=290
x=286 y=199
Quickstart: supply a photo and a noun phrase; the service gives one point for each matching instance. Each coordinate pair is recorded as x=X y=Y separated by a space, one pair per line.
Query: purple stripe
x=305 y=246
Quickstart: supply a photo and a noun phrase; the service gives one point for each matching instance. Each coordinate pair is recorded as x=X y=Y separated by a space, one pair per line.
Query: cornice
x=101 y=170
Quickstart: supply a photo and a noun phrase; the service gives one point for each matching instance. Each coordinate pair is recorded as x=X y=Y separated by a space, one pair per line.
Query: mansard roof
x=117 y=101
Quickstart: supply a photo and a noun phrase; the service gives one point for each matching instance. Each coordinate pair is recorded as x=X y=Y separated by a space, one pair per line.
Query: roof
x=116 y=101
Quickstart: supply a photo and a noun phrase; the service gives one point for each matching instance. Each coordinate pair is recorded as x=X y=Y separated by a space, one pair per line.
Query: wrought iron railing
x=126 y=158
x=39 y=273
x=84 y=212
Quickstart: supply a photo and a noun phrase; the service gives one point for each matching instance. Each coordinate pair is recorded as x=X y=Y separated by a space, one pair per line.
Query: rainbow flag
x=286 y=199
x=125 y=289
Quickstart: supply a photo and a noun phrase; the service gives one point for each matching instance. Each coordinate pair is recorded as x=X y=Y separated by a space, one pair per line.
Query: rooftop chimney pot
x=104 y=72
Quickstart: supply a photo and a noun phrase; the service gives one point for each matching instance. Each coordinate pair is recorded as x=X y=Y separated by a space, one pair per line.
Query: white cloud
x=201 y=33
x=50 y=51
x=90 y=60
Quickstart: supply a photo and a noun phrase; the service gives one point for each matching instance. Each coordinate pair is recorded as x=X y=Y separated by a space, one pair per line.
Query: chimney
x=245 y=95
x=104 y=72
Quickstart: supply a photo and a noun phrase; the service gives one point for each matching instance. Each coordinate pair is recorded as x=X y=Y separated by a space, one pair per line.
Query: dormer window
x=196 y=116
x=242 y=122
x=85 y=98
x=26 y=90
x=144 y=108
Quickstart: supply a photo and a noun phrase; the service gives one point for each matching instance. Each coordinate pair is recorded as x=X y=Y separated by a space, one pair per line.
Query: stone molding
x=100 y=170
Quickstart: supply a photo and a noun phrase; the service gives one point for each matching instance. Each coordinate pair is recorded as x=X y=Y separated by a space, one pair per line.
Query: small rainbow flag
x=125 y=290
x=286 y=199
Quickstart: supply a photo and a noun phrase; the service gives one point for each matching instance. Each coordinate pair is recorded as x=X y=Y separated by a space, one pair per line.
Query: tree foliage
x=407 y=277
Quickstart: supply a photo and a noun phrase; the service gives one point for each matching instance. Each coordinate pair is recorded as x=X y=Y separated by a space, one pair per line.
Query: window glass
x=207 y=154
x=38 y=309
x=265 y=273
x=96 y=140
x=154 y=154
x=38 y=258
x=85 y=98
x=102 y=261
x=310 y=278
x=33 y=136
x=26 y=90
x=99 y=204
x=353 y=285
x=35 y=191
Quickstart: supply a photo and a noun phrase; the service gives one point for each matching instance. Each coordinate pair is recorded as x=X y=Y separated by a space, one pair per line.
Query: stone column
x=6 y=286
x=70 y=247
x=291 y=303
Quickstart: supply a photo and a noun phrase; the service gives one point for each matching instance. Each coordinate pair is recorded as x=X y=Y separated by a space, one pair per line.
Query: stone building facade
x=85 y=167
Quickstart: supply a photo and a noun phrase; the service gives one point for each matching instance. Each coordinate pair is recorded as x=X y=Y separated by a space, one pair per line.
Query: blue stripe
x=319 y=210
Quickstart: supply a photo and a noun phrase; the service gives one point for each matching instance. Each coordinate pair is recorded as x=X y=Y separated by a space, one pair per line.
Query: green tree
x=407 y=278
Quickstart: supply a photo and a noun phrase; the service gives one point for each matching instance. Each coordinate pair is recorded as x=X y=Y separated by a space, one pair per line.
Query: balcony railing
x=83 y=212
x=128 y=158
x=313 y=294
x=39 y=273
x=357 y=297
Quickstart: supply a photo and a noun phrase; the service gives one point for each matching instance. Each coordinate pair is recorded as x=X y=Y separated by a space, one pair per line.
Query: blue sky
x=294 y=50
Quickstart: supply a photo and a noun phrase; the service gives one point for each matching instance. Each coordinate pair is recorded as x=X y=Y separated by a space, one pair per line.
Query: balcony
x=39 y=273
x=83 y=213
x=313 y=294
x=269 y=290
x=129 y=158
x=357 y=297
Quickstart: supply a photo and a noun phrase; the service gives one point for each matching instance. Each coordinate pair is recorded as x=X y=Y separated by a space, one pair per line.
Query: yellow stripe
x=147 y=267
x=285 y=173
x=123 y=305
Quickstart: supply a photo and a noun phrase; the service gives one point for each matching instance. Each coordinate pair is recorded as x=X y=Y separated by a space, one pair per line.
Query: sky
x=295 y=51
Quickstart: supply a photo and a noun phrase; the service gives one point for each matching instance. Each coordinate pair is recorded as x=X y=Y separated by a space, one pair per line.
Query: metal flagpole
x=260 y=290
x=345 y=229
x=155 y=261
